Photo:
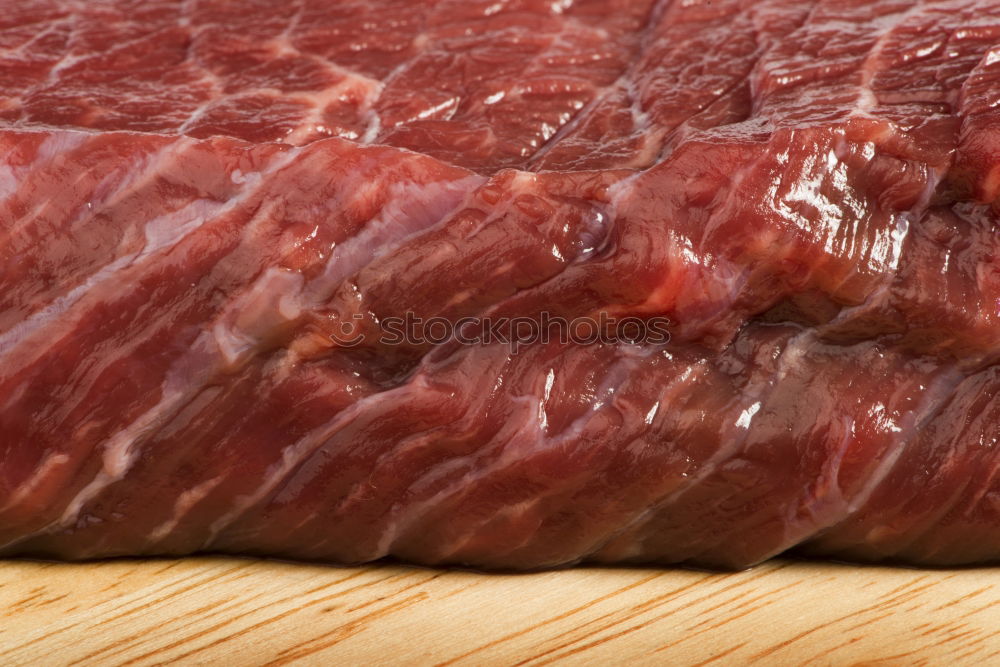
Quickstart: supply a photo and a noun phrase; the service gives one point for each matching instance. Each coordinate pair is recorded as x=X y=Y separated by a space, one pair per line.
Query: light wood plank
x=233 y=611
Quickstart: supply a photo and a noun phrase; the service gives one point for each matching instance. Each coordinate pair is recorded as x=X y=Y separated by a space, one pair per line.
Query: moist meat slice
x=195 y=220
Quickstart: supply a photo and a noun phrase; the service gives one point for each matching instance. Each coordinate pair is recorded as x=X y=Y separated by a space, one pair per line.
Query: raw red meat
x=198 y=199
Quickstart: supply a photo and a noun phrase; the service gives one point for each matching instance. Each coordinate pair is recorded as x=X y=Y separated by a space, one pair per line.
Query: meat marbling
x=197 y=196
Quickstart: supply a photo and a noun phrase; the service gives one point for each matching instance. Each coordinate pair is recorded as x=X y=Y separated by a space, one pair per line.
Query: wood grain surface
x=244 y=612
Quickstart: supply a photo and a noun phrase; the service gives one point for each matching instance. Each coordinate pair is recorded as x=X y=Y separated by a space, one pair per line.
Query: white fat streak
x=185 y=380
x=162 y=233
x=272 y=301
x=296 y=453
x=10 y=180
x=19 y=332
x=199 y=113
x=184 y=504
x=120 y=452
x=166 y=231
x=411 y=208
x=52 y=147
x=320 y=101
x=55 y=145
x=867 y=100
x=185 y=12
x=140 y=174
x=52 y=462
x=25 y=47
x=135 y=179
x=373 y=128
x=283 y=46
x=374 y=125
x=642 y=122
x=284 y=39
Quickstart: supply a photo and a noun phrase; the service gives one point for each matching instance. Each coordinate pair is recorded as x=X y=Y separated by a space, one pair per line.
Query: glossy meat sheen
x=807 y=190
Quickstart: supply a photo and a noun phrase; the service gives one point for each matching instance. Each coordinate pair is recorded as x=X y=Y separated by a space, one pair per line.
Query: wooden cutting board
x=244 y=612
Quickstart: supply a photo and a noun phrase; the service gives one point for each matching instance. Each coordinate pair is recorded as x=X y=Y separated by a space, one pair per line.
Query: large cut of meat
x=198 y=199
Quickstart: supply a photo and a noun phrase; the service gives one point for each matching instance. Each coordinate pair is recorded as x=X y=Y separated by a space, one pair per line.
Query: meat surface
x=210 y=211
